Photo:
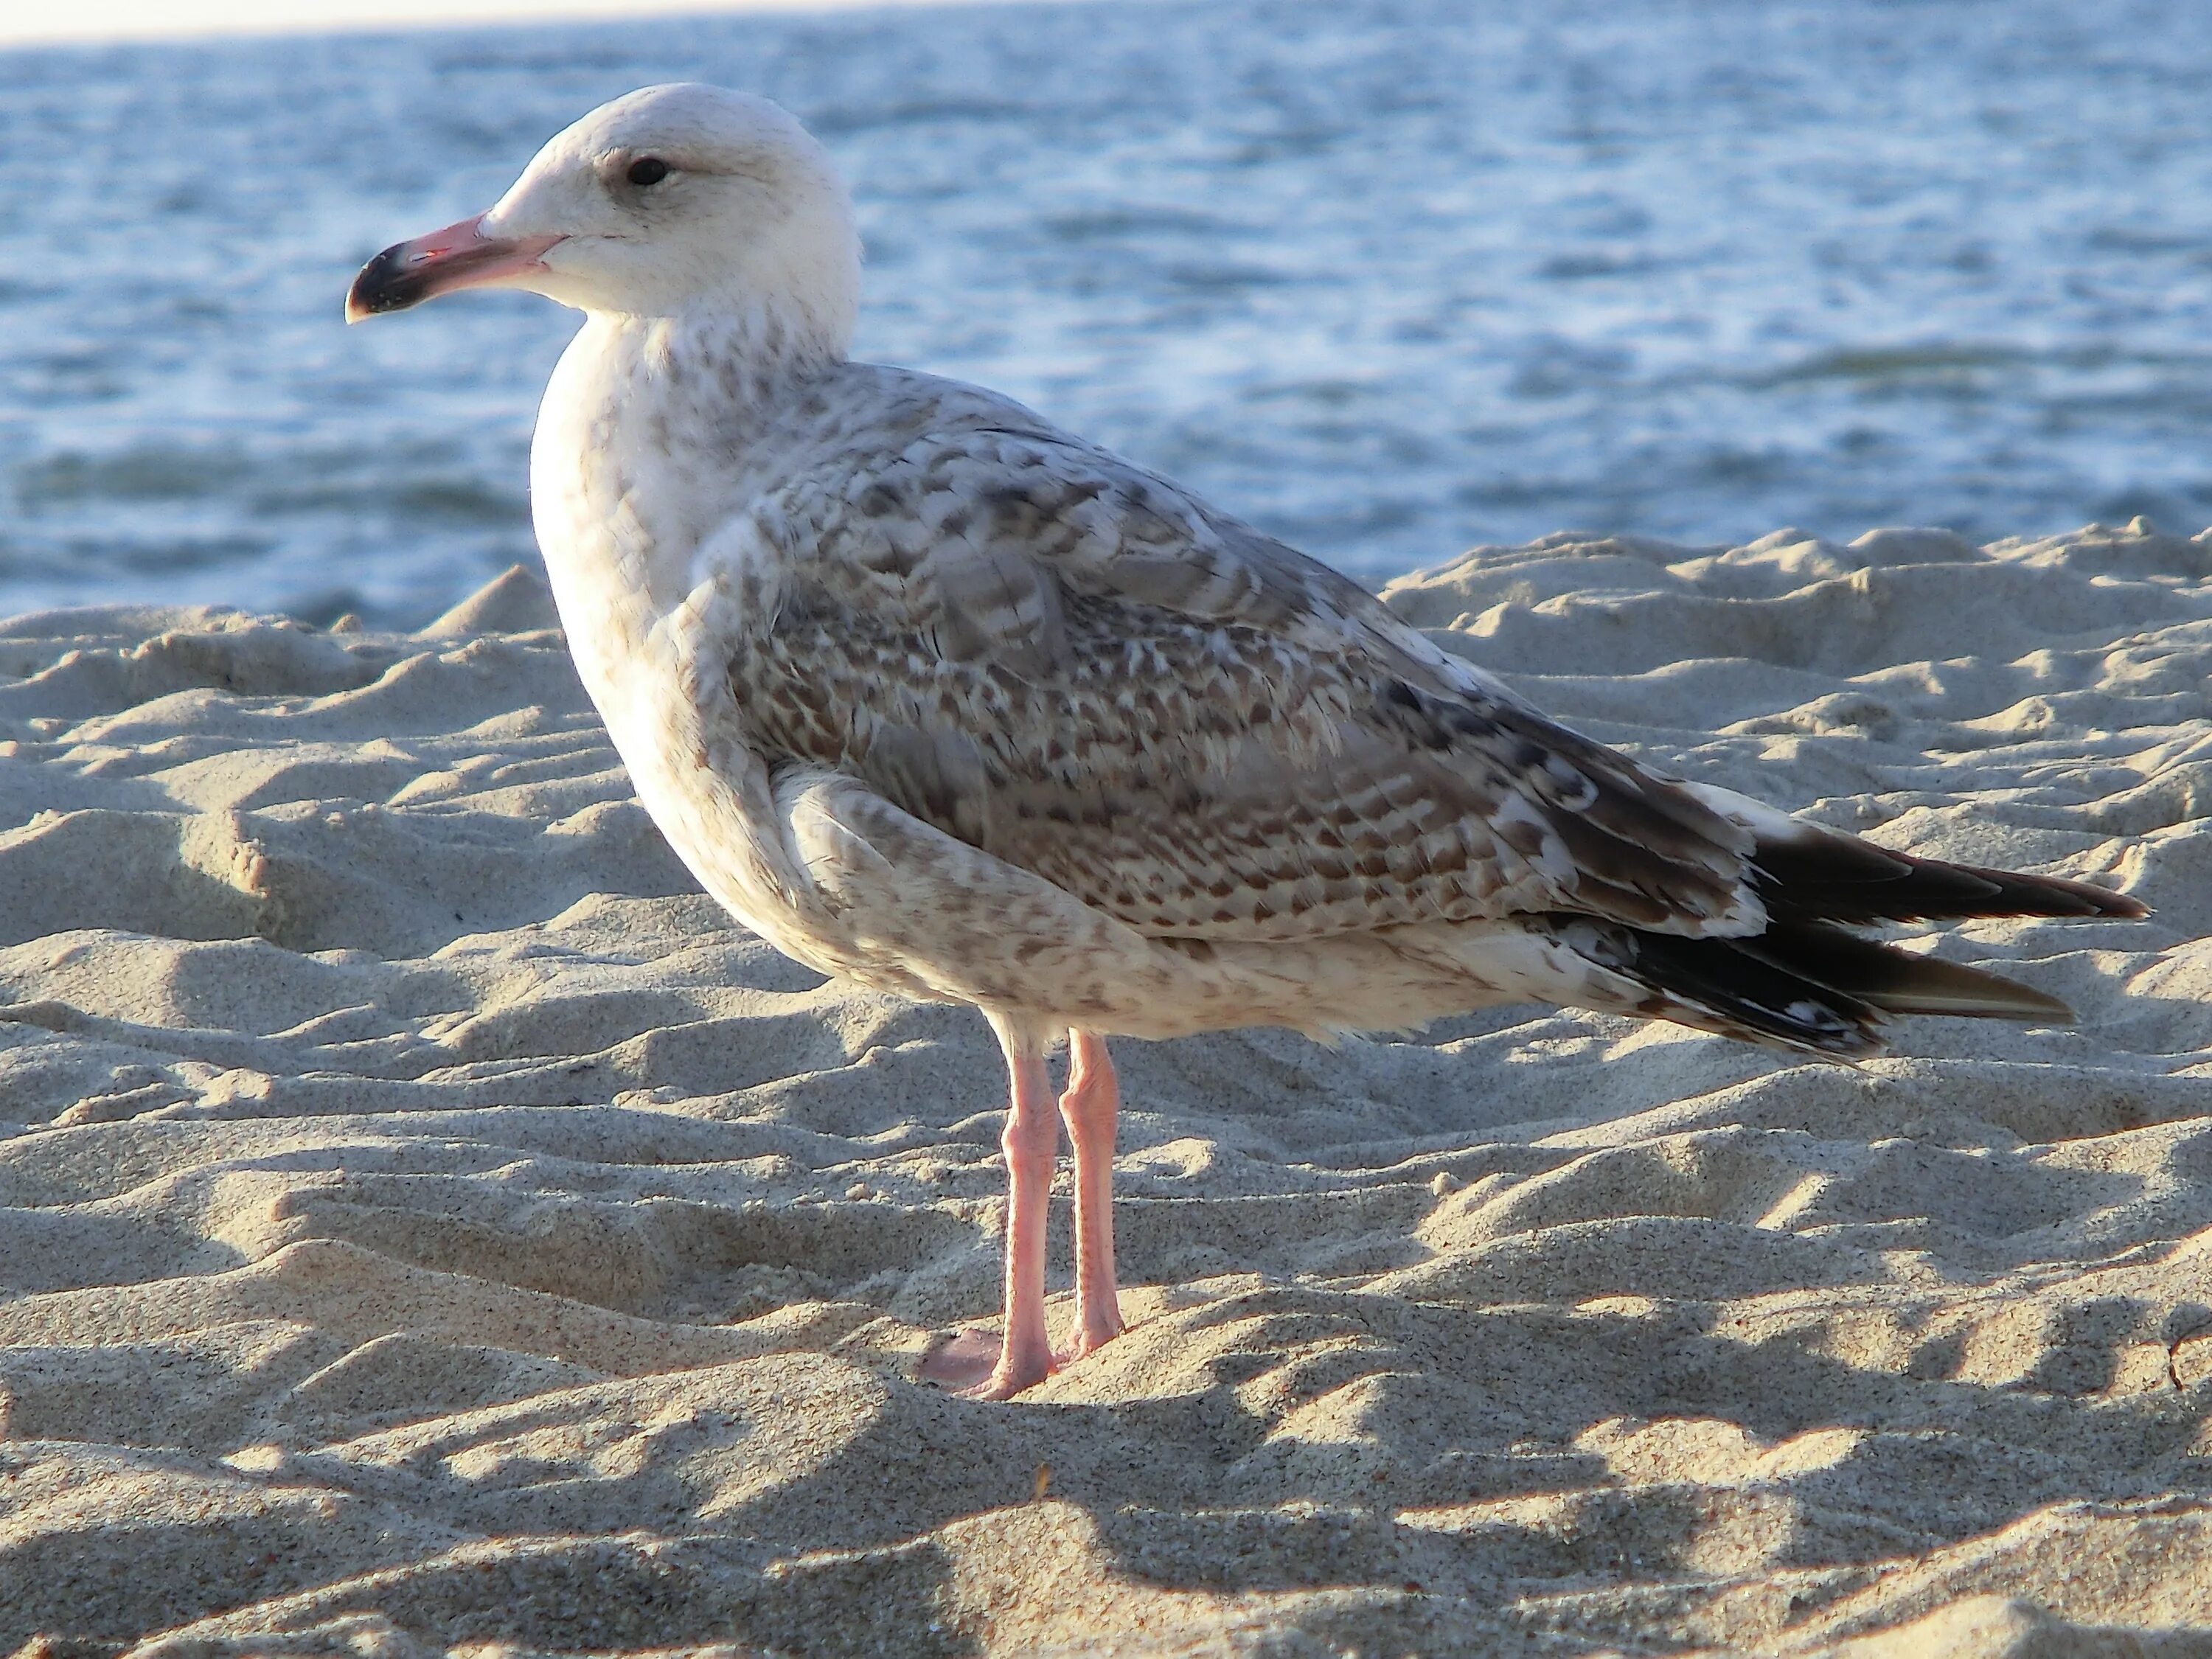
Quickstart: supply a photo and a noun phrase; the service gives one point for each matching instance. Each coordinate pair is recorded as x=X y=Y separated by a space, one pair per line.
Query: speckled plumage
x=936 y=695
x=1157 y=771
x=987 y=629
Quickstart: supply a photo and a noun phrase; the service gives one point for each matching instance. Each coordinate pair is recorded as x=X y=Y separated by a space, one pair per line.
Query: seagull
x=941 y=699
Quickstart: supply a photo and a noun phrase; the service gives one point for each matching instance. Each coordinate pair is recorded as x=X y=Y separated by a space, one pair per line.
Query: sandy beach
x=428 y=1223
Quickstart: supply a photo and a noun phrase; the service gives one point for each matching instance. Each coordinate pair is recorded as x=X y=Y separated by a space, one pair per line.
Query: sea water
x=1387 y=278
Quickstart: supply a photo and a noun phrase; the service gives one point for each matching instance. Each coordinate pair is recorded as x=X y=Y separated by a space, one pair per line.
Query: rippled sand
x=426 y=1222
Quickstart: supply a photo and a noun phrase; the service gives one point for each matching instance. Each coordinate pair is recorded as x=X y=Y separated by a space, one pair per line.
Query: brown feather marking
x=1186 y=725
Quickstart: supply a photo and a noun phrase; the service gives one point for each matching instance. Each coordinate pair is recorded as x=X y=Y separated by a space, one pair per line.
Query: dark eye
x=647 y=170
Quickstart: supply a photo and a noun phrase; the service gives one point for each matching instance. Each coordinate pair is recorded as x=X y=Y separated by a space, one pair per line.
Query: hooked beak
x=460 y=256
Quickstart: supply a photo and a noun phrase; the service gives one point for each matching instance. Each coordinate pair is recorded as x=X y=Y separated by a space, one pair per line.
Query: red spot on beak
x=460 y=255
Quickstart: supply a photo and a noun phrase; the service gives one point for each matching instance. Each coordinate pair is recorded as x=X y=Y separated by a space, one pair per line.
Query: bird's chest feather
x=648 y=558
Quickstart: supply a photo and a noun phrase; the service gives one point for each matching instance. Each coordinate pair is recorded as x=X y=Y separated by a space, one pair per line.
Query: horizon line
x=136 y=22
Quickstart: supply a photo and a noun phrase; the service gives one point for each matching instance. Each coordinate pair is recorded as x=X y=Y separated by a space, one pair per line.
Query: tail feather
x=1728 y=986
x=1810 y=987
x=1895 y=981
x=1808 y=981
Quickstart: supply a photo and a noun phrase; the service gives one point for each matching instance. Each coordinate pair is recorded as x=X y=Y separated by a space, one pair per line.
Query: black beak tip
x=385 y=284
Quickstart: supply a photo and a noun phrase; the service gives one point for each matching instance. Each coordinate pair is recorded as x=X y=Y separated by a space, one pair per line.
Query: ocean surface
x=1389 y=277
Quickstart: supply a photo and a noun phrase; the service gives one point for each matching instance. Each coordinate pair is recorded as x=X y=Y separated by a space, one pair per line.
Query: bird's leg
x=1031 y=1137
x=1089 y=1105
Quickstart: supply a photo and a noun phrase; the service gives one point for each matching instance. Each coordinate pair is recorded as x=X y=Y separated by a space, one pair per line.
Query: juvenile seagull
x=935 y=696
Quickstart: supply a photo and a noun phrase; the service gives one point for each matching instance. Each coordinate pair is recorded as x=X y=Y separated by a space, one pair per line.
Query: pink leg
x=1089 y=1107
x=1031 y=1137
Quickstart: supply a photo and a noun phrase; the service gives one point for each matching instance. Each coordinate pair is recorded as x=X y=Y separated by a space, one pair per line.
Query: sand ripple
x=425 y=1221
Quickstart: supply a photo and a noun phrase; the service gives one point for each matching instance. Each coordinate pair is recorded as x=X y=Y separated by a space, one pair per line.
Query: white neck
x=654 y=436
x=642 y=450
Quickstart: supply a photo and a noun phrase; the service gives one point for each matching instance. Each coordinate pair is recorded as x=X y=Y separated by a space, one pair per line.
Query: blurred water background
x=1390 y=277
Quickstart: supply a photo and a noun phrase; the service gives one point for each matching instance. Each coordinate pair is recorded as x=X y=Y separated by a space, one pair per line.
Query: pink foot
x=972 y=1364
x=1084 y=1344
x=975 y=1363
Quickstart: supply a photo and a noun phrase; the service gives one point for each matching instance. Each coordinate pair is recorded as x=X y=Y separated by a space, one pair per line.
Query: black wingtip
x=1825 y=876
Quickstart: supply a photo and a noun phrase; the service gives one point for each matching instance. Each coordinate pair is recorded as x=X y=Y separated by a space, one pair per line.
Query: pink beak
x=460 y=256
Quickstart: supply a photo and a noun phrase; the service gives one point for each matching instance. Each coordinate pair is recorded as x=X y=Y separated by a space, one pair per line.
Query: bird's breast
x=622 y=522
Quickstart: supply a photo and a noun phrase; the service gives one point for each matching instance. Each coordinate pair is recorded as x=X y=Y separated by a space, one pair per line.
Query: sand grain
x=425 y=1221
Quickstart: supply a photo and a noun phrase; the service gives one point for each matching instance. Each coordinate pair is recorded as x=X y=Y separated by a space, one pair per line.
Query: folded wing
x=1069 y=664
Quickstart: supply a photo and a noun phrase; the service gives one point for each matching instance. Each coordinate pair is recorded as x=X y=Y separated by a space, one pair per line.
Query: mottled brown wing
x=1071 y=665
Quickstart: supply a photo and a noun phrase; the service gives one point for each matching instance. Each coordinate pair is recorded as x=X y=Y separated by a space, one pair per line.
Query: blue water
x=1388 y=276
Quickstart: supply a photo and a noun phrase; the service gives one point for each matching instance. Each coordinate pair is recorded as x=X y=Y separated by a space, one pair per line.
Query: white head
x=674 y=201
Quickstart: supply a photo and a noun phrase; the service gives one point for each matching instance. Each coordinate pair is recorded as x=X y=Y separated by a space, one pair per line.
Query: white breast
x=622 y=522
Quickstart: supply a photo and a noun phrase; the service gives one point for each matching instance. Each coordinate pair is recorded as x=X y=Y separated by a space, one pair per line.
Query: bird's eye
x=647 y=170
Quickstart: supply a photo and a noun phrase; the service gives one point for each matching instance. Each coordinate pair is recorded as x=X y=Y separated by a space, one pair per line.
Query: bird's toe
x=1085 y=1342
x=975 y=1366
